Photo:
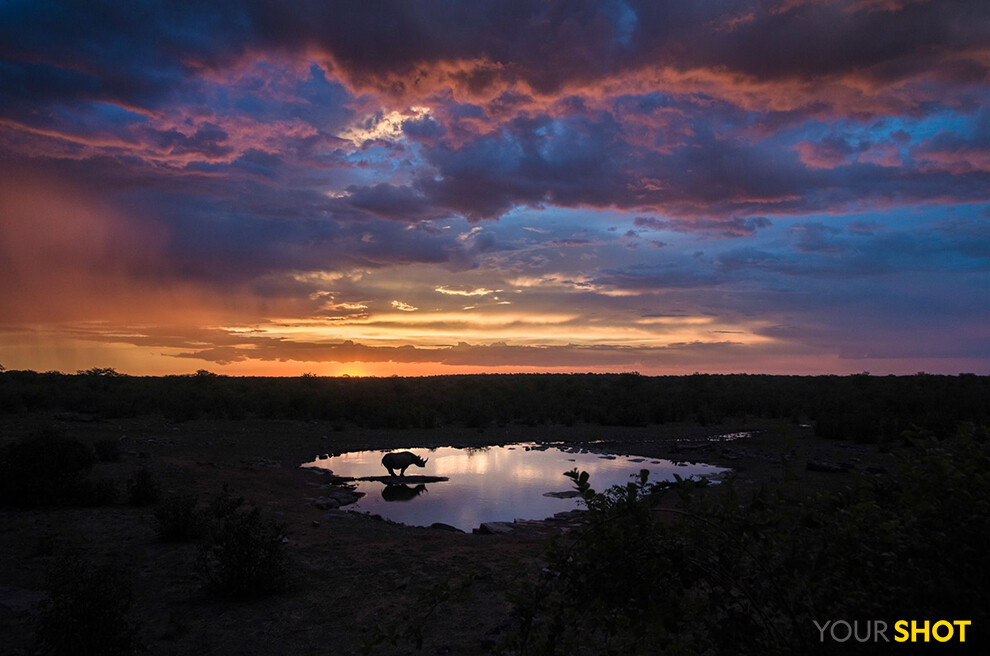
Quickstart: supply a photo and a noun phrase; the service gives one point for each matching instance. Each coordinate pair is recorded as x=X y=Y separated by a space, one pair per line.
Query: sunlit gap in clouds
x=430 y=330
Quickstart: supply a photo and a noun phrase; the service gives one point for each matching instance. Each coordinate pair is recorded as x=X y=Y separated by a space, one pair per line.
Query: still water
x=497 y=483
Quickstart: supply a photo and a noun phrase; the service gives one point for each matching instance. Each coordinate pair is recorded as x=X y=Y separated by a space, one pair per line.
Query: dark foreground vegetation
x=735 y=575
x=862 y=407
x=745 y=567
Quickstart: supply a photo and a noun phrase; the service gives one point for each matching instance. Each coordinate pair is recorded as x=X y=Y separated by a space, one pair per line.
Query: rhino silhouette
x=401 y=461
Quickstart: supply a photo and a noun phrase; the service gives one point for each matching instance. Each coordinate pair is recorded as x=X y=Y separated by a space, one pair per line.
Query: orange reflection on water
x=498 y=483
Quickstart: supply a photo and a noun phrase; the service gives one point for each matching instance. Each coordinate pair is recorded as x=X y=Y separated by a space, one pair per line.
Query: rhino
x=401 y=461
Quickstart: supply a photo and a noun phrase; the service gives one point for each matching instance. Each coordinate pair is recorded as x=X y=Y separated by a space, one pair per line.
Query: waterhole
x=491 y=484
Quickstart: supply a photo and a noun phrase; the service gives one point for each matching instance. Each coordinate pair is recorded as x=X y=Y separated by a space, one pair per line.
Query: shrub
x=43 y=469
x=107 y=450
x=748 y=578
x=242 y=555
x=87 y=611
x=142 y=490
x=177 y=518
x=101 y=492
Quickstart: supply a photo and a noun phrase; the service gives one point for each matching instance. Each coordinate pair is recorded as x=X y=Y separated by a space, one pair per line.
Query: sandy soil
x=355 y=578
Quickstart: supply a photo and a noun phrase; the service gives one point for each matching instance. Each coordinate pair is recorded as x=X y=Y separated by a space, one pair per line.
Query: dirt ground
x=355 y=579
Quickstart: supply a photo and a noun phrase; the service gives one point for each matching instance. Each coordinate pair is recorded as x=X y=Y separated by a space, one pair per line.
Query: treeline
x=860 y=407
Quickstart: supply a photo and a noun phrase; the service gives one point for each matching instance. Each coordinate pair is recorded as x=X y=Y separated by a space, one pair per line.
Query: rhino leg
x=390 y=472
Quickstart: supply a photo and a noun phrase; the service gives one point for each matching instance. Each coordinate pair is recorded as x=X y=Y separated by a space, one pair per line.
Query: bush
x=177 y=518
x=751 y=578
x=142 y=490
x=101 y=492
x=87 y=611
x=107 y=450
x=43 y=469
x=242 y=555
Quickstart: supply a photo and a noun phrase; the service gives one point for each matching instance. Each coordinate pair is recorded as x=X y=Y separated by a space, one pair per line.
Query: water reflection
x=498 y=483
x=402 y=492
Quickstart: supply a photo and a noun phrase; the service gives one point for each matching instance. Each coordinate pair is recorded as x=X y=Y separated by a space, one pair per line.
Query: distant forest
x=860 y=407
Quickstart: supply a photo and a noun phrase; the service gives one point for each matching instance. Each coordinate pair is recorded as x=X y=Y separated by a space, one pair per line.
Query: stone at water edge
x=494 y=528
x=827 y=467
x=335 y=498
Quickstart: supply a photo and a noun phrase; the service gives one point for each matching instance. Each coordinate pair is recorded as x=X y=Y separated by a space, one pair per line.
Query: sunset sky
x=377 y=188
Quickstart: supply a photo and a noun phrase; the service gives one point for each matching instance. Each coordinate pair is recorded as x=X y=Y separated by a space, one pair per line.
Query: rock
x=567 y=494
x=827 y=467
x=494 y=528
x=875 y=471
x=75 y=416
x=440 y=526
x=19 y=600
x=335 y=497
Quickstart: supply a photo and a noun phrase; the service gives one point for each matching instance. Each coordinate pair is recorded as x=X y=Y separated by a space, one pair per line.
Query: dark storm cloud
x=232 y=230
x=131 y=53
x=134 y=51
x=591 y=146
x=532 y=161
x=549 y=44
x=543 y=43
x=727 y=228
x=394 y=202
x=587 y=163
x=219 y=247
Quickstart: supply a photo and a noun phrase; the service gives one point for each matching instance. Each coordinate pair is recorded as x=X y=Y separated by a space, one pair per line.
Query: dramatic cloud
x=546 y=182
